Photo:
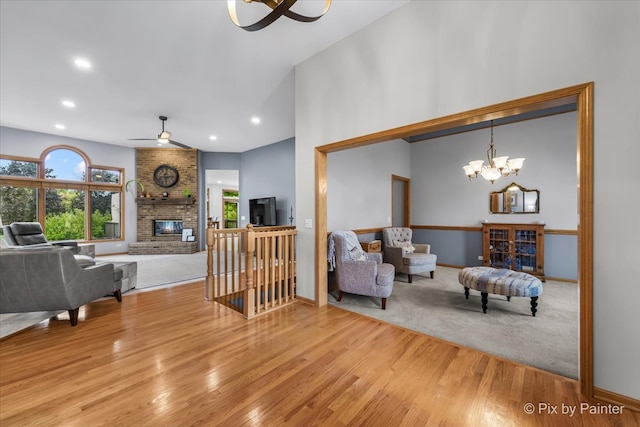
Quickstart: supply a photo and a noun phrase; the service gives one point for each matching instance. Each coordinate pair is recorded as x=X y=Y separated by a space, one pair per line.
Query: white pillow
x=406 y=246
x=357 y=254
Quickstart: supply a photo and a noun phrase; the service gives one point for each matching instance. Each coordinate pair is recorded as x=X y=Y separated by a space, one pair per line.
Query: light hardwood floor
x=169 y=358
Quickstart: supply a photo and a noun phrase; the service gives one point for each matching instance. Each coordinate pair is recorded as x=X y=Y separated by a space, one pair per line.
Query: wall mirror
x=514 y=198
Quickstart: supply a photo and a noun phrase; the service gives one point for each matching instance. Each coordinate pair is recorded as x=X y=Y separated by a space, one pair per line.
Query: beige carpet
x=437 y=307
x=160 y=270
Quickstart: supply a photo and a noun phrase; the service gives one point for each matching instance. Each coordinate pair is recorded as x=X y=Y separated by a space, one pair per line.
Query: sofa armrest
x=353 y=275
x=72 y=245
x=422 y=248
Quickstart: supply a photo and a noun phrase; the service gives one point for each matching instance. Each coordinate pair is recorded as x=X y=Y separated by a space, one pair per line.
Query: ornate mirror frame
x=514 y=199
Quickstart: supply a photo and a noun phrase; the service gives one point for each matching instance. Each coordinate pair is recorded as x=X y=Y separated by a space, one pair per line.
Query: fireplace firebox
x=167 y=227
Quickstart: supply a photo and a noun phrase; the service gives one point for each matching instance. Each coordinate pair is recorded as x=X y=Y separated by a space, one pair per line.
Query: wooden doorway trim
x=582 y=96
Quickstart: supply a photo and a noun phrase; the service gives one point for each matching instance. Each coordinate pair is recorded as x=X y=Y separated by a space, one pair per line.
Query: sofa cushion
x=406 y=246
x=419 y=259
x=357 y=254
x=27 y=233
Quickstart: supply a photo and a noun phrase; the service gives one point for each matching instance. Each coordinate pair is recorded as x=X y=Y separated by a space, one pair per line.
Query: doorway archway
x=582 y=97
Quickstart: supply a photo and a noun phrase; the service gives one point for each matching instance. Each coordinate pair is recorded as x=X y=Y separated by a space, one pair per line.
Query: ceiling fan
x=164 y=137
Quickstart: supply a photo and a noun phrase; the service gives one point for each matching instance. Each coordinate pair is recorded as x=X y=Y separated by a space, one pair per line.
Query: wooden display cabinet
x=519 y=247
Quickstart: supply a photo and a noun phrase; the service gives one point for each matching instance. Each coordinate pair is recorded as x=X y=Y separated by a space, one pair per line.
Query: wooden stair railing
x=252 y=270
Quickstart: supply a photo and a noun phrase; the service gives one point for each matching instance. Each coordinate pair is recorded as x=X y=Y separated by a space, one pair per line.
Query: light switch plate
x=308 y=223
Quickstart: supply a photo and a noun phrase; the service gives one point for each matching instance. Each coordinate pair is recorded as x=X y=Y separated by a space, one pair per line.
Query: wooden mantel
x=168 y=201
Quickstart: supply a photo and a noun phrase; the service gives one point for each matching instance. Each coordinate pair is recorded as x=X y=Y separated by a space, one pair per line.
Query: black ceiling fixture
x=278 y=8
x=164 y=137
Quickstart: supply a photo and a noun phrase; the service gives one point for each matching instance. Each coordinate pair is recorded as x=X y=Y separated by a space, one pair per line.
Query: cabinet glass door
x=499 y=248
x=525 y=250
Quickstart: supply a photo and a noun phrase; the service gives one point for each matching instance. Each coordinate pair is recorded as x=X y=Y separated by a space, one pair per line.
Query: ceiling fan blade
x=141 y=139
x=178 y=144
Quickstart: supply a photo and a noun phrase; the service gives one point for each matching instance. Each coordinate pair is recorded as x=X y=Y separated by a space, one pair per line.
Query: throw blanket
x=353 y=246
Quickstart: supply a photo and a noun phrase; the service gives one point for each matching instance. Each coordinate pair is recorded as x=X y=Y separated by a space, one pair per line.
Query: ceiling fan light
x=163 y=140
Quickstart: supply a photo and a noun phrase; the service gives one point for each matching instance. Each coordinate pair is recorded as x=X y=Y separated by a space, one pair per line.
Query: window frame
x=87 y=186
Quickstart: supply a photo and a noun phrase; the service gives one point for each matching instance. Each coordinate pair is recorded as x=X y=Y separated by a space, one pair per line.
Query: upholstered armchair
x=31 y=234
x=407 y=257
x=358 y=272
x=50 y=279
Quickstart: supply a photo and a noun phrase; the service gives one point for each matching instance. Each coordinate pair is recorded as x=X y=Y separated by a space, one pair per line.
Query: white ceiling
x=182 y=59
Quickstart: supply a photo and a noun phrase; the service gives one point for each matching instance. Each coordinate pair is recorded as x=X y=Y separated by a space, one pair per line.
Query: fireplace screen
x=164 y=227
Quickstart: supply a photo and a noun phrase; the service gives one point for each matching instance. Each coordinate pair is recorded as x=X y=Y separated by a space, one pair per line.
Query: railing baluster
x=264 y=271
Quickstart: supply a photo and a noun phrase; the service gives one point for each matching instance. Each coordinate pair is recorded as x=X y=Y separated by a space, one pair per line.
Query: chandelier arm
x=276 y=13
x=301 y=18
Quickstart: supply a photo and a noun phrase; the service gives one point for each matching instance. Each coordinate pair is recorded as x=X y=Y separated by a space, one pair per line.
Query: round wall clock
x=165 y=176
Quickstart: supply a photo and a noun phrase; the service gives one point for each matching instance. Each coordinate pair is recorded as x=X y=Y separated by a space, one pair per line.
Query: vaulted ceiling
x=182 y=59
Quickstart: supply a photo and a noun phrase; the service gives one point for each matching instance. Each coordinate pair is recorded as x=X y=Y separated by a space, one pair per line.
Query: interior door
x=400 y=214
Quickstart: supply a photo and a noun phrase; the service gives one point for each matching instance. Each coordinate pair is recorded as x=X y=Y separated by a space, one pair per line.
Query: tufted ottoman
x=497 y=281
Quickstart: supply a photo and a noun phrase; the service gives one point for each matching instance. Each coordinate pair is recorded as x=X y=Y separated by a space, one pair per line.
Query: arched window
x=62 y=190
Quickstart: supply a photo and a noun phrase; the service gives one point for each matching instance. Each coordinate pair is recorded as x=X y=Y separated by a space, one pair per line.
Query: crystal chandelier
x=497 y=167
x=278 y=8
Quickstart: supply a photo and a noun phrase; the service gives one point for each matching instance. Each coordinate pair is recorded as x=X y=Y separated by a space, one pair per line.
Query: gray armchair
x=31 y=235
x=358 y=272
x=407 y=257
x=50 y=279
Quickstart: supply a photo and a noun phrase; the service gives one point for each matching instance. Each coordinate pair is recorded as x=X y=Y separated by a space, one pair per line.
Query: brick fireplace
x=173 y=208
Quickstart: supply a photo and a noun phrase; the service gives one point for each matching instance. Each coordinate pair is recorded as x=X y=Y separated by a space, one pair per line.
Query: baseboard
x=113 y=254
x=617 y=399
x=305 y=300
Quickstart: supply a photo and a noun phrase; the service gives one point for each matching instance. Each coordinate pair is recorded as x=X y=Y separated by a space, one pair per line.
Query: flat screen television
x=263 y=211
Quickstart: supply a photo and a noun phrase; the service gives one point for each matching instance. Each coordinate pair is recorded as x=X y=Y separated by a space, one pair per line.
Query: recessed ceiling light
x=255 y=120
x=219 y=182
x=59 y=126
x=68 y=103
x=213 y=138
x=82 y=63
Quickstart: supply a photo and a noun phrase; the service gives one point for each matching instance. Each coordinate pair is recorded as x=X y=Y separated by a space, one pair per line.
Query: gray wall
x=359 y=184
x=269 y=171
x=209 y=161
x=431 y=59
x=359 y=187
x=23 y=143
x=441 y=193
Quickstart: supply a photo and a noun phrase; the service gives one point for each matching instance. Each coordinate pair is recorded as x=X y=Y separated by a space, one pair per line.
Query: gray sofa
x=50 y=279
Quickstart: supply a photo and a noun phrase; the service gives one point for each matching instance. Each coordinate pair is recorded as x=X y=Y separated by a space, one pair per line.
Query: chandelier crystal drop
x=496 y=167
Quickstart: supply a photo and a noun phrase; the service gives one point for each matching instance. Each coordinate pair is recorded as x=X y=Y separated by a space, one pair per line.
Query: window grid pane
x=64 y=214
x=105 y=215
